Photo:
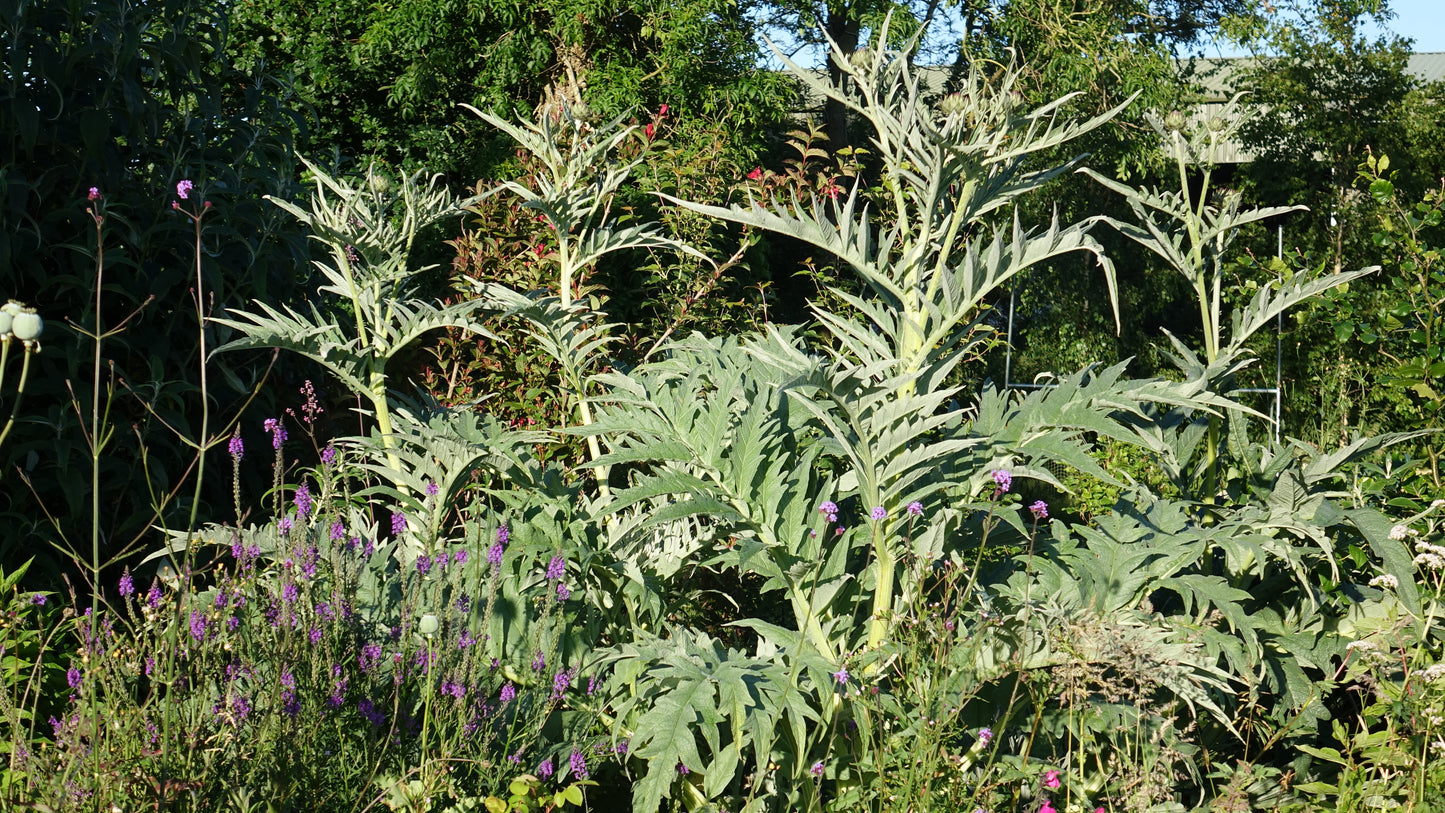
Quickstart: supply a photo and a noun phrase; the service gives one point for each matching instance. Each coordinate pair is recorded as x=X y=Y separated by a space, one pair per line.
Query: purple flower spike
x=556 y=569
x=1040 y=510
x=509 y=693
x=236 y=447
x=545 y=769
x=277 y=430
x=72 y=677
x=431 y=488
x=127 y=584
x=579 y=765
x=328 y=455
x=563 y=592
x=398 y=523
x=494 y=554
x=1003 y=480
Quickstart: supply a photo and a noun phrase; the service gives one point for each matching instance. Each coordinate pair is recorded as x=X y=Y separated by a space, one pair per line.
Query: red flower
x=756 y=174
x=663 y=112
x=649 y=130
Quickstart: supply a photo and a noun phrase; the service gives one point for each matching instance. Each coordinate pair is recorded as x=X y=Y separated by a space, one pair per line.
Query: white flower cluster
x=1433 y=672
x=1385 y=580
x=1400 y=532
x=1430 y=556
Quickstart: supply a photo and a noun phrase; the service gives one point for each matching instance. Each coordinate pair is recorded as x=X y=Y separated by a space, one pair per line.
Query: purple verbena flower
x=431 y=488
x=277 y=430
x=545 y=769
x=236 y=447
x=72 y=677
x=841 y=676
x=398 y=523
x=561 y=682
x=915 y=509
x=153 y=596
x=338 y=530
x=198 y=626
x=494 y=554
x=984 y=735
x=503 y=535
x=1040 y=509
x=38 y=599
x=423 y=565
x=878 y=514
x=508 y=694
x=459 y=558
x=1003 y=480
x=328 y=455
x=563 y=592
x=817 y=768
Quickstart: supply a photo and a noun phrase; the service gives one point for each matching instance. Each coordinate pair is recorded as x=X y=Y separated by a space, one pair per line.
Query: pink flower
x=1051 y=780
x=183 y=189
x=650 y=130
x=94 y=193
x=1048 y=807
x=756 y=174
x=1040 y=509
x=663 y=112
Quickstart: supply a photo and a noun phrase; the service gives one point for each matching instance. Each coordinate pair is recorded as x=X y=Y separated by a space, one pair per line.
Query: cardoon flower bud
x=1175 y=121
x=953 y=103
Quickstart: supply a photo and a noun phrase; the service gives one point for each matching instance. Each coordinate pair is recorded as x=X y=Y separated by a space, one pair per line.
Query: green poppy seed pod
x=1174 y=122
x=427 y=625
x=27 y=325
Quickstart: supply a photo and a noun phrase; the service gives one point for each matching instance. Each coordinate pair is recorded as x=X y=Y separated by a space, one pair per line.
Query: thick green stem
x=880 y=620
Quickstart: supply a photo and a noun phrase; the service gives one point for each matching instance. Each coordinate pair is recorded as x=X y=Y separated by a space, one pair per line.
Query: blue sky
x=1422 y=20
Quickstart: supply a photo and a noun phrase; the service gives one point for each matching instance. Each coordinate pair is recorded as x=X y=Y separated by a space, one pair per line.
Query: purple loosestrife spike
x=504 y=535
x=508 y=694
x=236 y=447
x=337 y=531
x=153 y=597
x=561 y=682
x=198 y=626
x=431 y=488
x=915 y=509
x=556 y=569
x=540 y=662
x=398 y=523
x=277 y=430
x=545 y=769
x=423 y=565
x=183 y=189
x=878 y=514
x=72 y=677
x=1040 y=509
x=459 y=558
x=1003 y=480
x=494 y=554
x=302 y=501
x=579 y=765
x=563 y=592
x=127 y=584
x=284 y=525
x=328 y=455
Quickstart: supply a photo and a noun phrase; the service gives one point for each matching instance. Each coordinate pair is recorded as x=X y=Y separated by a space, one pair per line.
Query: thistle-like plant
x=368 y=226
x=930 y=256
x=572 y=193
x=1193 y=231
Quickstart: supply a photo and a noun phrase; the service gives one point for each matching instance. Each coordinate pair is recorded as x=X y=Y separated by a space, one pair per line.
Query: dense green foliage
x=595 y=501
